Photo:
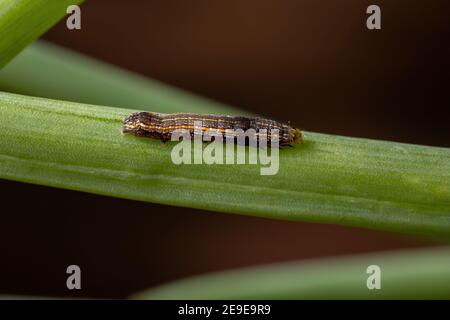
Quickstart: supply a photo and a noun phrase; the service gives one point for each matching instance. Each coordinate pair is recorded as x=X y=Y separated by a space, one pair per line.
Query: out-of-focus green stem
x=23 y=21
x=49 y=71
x=413 y=274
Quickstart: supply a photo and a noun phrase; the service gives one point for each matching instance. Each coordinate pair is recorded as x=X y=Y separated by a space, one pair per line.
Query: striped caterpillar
x=161 y=126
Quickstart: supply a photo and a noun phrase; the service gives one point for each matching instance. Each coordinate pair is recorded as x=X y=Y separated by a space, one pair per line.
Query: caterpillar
x=161 y=126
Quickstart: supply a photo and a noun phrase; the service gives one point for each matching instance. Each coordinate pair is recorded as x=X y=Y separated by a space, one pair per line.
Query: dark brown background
x=308 y=61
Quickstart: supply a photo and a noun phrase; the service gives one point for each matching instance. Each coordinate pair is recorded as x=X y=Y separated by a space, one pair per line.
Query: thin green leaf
x=23 y=21
x=75 y=77
x=328 y=179
x=413 y=274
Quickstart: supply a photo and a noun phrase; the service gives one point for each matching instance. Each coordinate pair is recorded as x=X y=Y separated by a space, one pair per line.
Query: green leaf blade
x=328 y=179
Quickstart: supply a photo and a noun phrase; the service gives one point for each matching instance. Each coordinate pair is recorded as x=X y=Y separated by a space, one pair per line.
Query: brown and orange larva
x=161 y=126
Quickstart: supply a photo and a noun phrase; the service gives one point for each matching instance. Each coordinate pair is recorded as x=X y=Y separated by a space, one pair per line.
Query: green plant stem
x=412 y=274
x=23 y=21
x=74 y=77
x=328 y=179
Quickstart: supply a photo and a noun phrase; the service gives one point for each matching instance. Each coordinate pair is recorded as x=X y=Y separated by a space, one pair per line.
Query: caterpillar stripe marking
x=161 y=126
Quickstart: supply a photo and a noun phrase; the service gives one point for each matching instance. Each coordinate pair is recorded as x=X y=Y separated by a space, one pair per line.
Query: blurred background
x=311 y=62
